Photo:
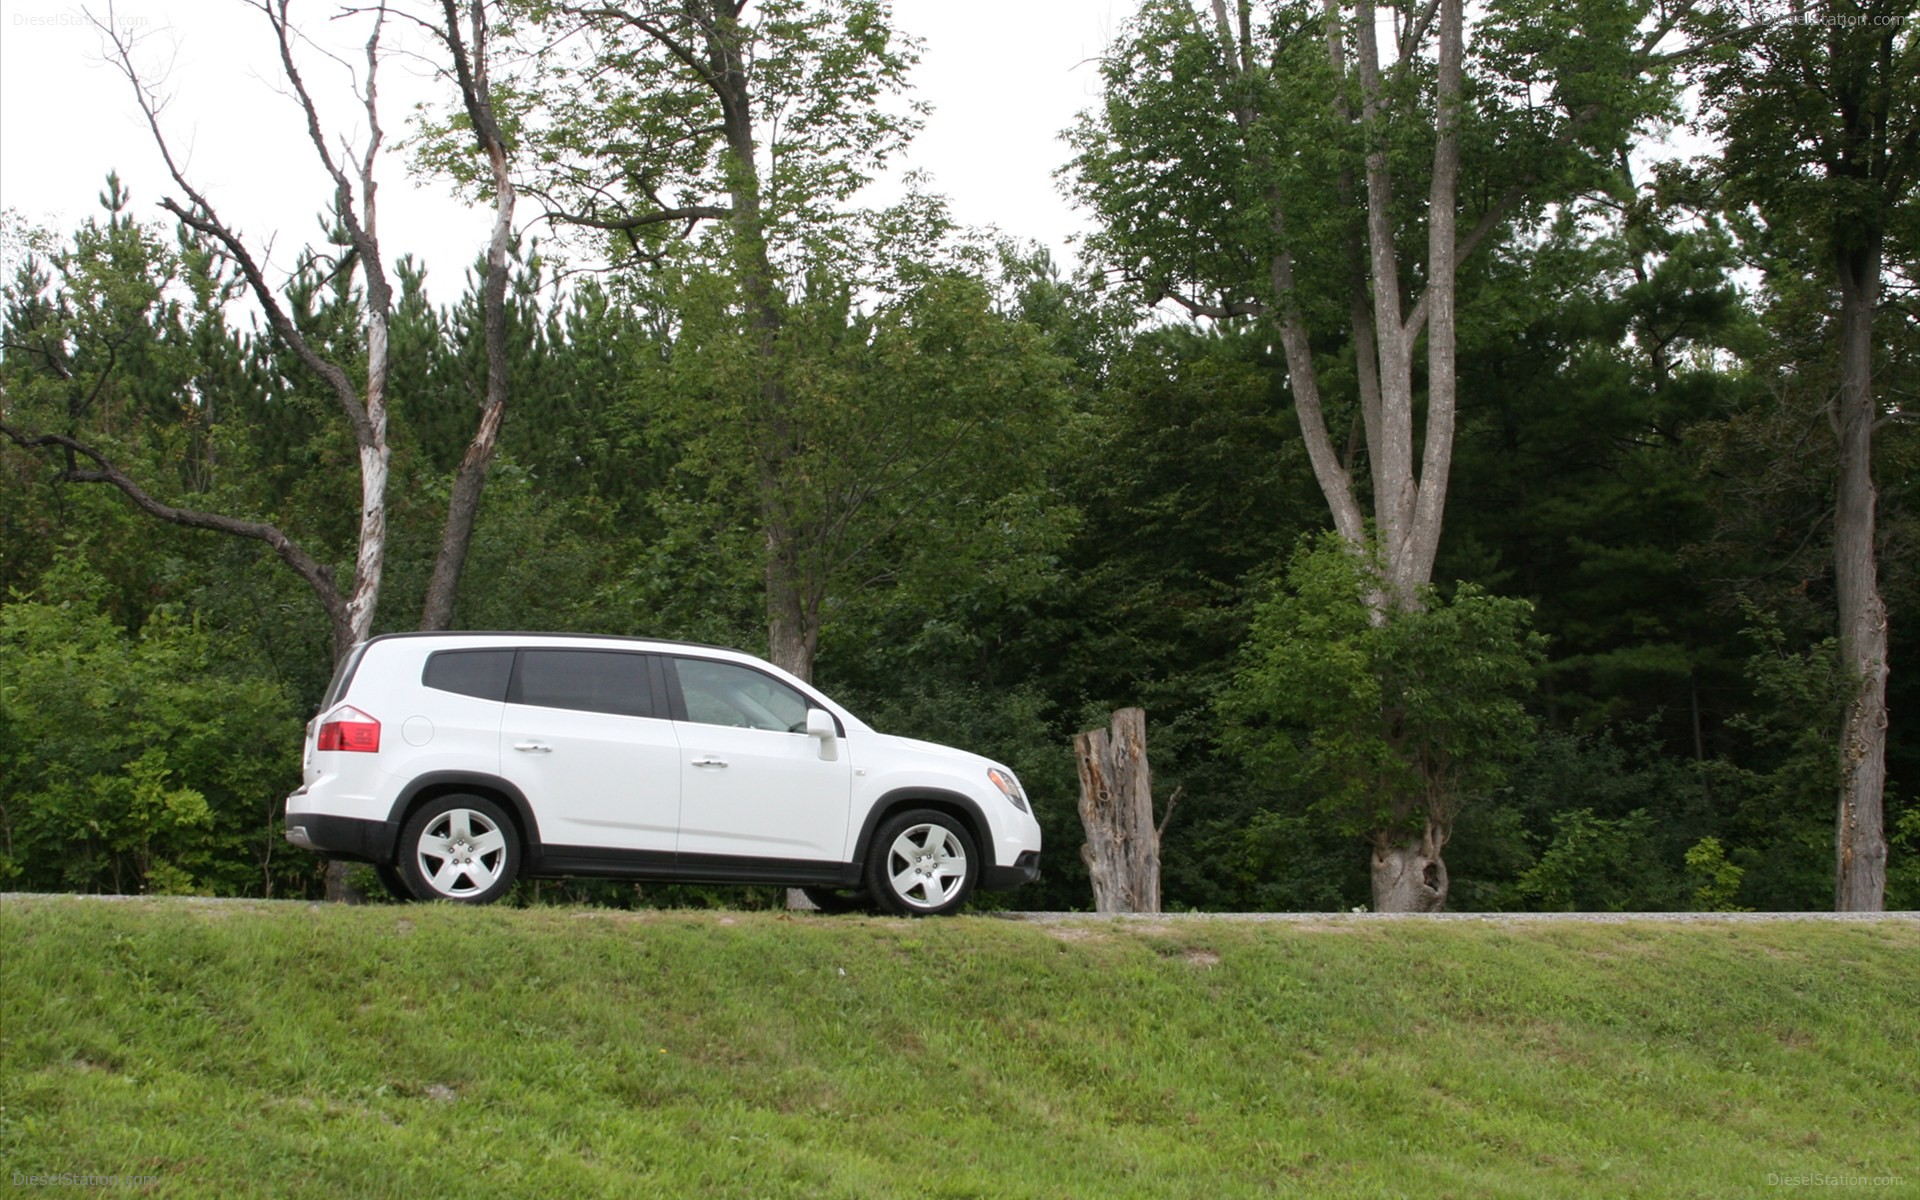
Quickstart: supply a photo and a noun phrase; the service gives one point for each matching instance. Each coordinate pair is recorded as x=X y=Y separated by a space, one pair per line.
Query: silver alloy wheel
x=461 y=853
x=926 y=865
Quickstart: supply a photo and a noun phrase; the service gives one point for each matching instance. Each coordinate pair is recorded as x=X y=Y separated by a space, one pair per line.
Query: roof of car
x=512 y=635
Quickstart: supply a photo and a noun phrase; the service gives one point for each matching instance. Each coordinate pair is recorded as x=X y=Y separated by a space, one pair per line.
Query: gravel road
x=1599 y=918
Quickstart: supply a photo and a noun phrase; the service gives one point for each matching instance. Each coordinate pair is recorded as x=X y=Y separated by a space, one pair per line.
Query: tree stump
x=1122 y=851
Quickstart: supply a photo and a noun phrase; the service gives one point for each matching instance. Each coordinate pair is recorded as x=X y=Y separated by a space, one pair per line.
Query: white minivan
x=458 y=762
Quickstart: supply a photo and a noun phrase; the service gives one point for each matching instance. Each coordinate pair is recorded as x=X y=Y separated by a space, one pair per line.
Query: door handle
x=533 y=747
x=709 y=762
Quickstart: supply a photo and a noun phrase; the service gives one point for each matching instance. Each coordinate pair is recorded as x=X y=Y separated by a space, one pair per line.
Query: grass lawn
x=291 y=1050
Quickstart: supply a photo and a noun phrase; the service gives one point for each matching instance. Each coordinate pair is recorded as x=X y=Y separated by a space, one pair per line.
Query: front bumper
x=1025 y=869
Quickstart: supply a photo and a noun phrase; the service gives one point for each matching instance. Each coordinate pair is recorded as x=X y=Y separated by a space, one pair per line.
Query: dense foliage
x=1384 y=722
x=1023 y=507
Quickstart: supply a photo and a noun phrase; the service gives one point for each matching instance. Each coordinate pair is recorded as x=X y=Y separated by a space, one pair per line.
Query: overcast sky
x=1005 y=77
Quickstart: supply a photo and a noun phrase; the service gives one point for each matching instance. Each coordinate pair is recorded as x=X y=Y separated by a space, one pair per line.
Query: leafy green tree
x=120 y=345
x=1394 y=725
x=915 y=443
x=1718 y=879
x=1271 y=162
x=766 y=124
x=1592 y=864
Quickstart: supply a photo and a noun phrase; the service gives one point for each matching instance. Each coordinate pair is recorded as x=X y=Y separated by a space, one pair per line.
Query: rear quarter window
x=342 y=676
x=482 y=674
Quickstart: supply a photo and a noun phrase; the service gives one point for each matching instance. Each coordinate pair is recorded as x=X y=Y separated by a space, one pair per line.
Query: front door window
x=720 y=693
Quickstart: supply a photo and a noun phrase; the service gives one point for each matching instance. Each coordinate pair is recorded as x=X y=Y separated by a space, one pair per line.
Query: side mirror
x=820 y=725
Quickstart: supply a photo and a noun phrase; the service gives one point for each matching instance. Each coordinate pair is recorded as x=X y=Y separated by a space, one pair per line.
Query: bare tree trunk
x=1396 y=488
x=365 y=407
x=793 y=626
x=463 y=512
x=470 y=479
x=1122 y=851
x=1408 y=873
x=1860 y=842
x=371 y=562
x=791 y=637
x=1436 y=467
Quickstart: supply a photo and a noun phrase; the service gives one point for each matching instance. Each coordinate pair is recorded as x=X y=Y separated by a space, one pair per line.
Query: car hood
x=888 y=743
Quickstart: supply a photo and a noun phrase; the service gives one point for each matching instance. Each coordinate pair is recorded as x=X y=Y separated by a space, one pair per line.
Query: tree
x=1263 y=168
x=1820 y=118
x=1271 y=163
x=362 y=395
x=767 y=126
x=471 y=57
x=364 y=405
x=1396 y=723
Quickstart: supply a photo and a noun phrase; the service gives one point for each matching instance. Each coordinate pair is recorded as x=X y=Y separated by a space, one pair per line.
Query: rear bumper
x=343 y=837
x=1025 y=869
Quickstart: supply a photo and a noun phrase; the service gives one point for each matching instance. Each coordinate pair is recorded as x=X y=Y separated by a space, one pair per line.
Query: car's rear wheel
x=923 y=864
x=462 y=848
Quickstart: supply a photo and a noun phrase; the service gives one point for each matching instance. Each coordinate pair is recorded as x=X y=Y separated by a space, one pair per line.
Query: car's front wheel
x=460 y=848
x=923 y=864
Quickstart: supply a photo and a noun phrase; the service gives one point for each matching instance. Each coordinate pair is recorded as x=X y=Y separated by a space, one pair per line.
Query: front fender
x=925 y=796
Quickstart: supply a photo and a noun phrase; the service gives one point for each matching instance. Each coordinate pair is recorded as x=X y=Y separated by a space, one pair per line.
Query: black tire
x=922 y=864
x=394 y=882
x=839 y=900
x=460 y=848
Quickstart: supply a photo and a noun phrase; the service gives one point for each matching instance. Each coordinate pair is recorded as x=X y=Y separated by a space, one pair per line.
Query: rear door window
x=606 y=681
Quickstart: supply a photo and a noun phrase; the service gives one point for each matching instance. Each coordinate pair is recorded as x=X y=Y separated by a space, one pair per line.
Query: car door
x=581 y=741
x=752 y=782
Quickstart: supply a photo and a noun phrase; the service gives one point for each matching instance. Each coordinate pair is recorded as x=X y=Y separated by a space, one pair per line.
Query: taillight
x=349 y=729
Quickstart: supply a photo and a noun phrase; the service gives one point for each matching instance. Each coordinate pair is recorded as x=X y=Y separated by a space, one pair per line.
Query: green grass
x=292 y=1050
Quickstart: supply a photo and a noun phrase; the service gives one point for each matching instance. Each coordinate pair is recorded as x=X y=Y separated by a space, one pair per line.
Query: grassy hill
x=294 y=1050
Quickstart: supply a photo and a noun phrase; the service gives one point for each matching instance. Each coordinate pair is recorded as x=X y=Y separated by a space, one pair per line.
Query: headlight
x=1009 y=787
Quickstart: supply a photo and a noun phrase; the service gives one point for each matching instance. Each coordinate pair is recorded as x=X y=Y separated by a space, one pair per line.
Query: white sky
x=1005 y=77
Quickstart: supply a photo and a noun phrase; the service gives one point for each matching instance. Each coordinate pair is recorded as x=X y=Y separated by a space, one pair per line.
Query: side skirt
x=661 y=866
